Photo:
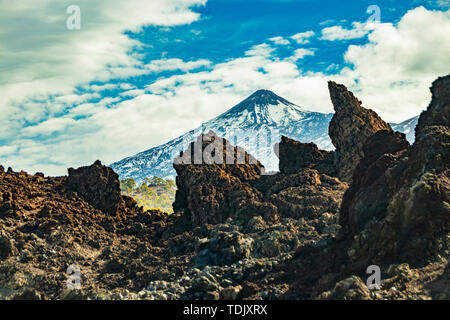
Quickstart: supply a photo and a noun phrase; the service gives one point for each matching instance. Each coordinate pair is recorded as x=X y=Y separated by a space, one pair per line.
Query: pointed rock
x=396 y=209
x=438 y=112
x=350 y=128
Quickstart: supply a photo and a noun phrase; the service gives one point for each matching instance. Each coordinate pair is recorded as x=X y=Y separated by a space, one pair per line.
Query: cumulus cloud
x=303 y=37
x=260 y=50
x=334 y=33
x=396 y=68
x=279 y=40
x=41 y=57
x=301 y=53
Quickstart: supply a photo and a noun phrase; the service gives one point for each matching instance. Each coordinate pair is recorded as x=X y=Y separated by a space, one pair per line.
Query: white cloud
x=41 y=57
x=279 y=40
x=396 y=68
x=334 y=33
x=303 y=37
x=301 y=53
x=7 y=150
x=260 y=50
x=175 y=64
x=132 y=93
x=48 y=127
x=326 y=22
x=445 y=4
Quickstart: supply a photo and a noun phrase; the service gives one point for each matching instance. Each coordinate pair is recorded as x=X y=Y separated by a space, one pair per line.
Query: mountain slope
x=407 y=127
x=255 y=124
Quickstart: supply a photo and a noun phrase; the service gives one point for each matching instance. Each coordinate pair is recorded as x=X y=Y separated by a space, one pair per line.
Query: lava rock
x=350 y=128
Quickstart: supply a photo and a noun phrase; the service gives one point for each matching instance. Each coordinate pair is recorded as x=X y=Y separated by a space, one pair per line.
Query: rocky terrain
x=307 y=232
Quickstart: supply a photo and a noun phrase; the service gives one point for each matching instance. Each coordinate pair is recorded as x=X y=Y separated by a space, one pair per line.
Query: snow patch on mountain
x=407 y=127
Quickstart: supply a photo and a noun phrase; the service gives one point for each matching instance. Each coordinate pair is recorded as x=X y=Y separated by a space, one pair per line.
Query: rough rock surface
x=361 y=205
x=211 y=192
x=395 y=215
x=213 y=182
x=99 y=186
x=295 y=156
x=438 y=112
x=397 y=208
x=350 y=128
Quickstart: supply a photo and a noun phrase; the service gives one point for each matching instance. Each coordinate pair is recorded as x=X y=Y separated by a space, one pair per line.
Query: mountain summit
x=261 y=97
x=255 y=124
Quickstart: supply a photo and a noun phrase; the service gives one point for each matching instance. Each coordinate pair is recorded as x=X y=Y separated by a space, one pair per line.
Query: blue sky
x=139 y=73
x=228 y=28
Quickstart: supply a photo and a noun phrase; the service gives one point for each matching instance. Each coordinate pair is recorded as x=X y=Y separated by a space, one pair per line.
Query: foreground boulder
x=213 y=182
x=99 y=186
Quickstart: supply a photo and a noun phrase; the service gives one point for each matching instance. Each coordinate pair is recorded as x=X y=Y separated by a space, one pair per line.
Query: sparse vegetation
x=152 y=193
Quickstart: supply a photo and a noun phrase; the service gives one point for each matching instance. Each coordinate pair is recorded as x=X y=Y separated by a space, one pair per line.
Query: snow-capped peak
x=263 y=107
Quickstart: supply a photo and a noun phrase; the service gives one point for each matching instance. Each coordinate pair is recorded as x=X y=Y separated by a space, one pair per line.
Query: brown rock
x=397 y=206
x=29 y=294
x=438 y=112
x=212 y=180
x=213 y=192
x=381 y=152
x=295 y=156
x=6 y=247
x=350 y=128
x=351 y=288
x=99 y=186
x=306 y=194
x=230 y=293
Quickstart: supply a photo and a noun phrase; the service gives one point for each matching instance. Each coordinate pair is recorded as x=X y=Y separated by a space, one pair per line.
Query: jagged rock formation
x=397 y=208
x=213 y=182
x=350 y=128
x=305 y=194
x=394 y=215
x=212 y=191
x=358 y=208
x=438 y=112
